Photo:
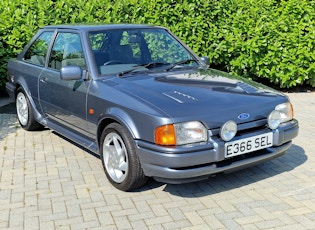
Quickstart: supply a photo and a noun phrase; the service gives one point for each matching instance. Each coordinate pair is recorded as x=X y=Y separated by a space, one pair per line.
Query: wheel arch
x=119 y=157
x=23 y=86
x=116 y=115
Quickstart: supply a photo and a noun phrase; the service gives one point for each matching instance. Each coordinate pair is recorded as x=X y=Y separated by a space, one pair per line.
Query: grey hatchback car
x=146 y=104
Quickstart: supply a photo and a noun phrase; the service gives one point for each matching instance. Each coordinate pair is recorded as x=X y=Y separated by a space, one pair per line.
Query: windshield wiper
x=187 y=61
x=154 y=64
x=146 y=65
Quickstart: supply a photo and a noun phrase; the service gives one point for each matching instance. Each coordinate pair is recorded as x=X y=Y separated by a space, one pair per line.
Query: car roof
x=88 y=27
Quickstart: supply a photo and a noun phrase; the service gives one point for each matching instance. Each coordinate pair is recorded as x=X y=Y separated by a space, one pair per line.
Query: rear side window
x=36 y=54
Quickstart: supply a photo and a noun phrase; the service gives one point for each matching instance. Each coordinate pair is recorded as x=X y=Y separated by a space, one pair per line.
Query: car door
x=34 y=63
x=64 y=101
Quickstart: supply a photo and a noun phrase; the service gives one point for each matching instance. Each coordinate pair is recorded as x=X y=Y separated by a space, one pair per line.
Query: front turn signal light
x=165 y=135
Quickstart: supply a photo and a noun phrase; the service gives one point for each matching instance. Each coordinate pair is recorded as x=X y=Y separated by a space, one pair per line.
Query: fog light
x=274 y=119
x=228 y=130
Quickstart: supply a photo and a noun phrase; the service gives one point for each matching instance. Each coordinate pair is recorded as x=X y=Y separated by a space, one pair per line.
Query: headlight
x=274 y=119
x=282 y=113
x=181 y=133
x=228 y=130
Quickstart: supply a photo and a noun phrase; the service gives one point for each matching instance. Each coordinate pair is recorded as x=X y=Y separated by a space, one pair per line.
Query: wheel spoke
x=119 y=174
x=123 y=166
x=117 y=145
x=115 y=157
x=111 y=156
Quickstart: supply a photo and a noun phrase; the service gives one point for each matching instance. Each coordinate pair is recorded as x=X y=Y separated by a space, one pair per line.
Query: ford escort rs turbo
x=138 y=97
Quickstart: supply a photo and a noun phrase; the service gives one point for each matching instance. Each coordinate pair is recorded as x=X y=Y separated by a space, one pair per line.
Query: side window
x=67 y=51
x=37 y=52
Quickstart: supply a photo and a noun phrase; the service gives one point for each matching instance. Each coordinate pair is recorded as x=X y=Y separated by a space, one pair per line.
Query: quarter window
x=36 y=54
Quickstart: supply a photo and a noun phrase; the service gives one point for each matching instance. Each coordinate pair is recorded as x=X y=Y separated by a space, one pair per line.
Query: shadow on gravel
x=224 y=182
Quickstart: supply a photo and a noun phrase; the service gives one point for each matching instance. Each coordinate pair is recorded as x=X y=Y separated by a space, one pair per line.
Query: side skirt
x=87 y=143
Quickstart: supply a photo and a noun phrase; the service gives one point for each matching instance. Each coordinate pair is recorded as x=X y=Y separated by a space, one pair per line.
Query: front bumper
x=197 y=162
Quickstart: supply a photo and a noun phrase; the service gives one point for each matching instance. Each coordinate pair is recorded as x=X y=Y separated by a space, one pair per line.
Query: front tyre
x=25 y=113
x=119 y=158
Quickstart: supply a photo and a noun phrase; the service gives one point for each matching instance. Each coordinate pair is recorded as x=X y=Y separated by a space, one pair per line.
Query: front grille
x=247 y=127
x=251 y=130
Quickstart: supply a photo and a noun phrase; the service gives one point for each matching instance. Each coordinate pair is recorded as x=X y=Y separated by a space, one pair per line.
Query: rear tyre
x=25 y=112
x=120 y=161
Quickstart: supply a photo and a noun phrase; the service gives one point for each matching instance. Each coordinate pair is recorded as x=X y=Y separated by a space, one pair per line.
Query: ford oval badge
x=243 y=116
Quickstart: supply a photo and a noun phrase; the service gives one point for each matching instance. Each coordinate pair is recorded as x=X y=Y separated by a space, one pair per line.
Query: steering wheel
x=112 y=62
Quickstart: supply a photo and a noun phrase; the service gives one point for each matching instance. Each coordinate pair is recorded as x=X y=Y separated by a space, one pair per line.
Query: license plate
x=249 y=144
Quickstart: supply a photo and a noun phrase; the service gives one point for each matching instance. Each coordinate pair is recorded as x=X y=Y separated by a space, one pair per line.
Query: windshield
x=125 y=50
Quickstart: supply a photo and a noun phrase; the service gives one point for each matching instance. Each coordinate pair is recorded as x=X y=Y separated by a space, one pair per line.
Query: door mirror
x=205 y=60
x=69 y=73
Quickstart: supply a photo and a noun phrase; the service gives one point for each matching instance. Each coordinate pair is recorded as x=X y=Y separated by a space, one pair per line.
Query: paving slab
x=46 y=182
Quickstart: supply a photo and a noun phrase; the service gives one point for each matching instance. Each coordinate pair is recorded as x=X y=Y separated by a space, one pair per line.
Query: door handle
x=43 y=79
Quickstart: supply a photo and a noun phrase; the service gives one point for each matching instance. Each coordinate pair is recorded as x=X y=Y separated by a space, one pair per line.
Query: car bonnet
x=211 y=96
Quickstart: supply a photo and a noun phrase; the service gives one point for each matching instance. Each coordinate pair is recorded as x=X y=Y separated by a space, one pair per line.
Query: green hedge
x=271 y=39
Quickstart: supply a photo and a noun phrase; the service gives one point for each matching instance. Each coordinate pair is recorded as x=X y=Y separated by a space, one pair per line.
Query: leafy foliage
x=271 y=39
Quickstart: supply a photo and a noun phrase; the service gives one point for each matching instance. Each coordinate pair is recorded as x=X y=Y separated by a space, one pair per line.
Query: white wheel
x=25 y=112
x=115 y=157
x=22 y=108
x=119 y=158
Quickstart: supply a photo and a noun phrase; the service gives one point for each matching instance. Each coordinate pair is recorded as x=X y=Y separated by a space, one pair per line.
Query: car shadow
x=8 y=120
x=294 y=157
x=76 y=144
x=8 y=109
